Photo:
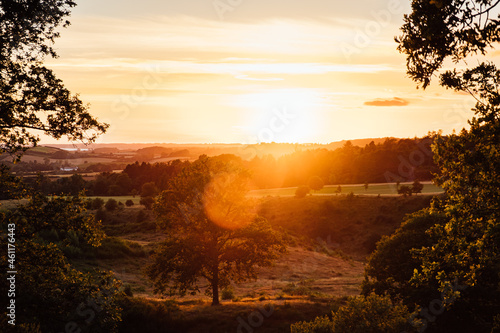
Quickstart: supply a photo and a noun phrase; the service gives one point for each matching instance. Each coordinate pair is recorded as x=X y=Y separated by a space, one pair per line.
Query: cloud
x=246 y=77
x=396 y=101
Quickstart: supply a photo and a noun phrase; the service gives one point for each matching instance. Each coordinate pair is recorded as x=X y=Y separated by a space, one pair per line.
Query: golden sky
x=247 y=71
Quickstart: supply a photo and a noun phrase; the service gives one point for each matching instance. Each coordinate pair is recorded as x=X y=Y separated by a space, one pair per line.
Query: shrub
x=141 y=216
x=371 y=314
x=97 y=203
x=129 y=203
x=360 y=315
x=227 y=293
x=318 y=325
x=147 y=202
x=113 y=247
x=302 y=191
x=101 y=215
x=111 y=205
x=405 y=190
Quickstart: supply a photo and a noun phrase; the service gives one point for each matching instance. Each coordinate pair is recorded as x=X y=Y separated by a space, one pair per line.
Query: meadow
x=358 y=189
x=328 y=237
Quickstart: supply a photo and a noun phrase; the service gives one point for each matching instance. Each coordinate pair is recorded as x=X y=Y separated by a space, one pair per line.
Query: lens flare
x=225 y=201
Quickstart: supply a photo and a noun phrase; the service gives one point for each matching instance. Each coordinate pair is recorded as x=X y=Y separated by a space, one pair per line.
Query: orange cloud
x=396 y=101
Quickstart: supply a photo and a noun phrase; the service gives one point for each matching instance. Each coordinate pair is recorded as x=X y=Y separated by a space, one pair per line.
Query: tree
x=49 y=292
x=316 y=183
x=405 y=190
x=129 y=203
x=97 y=203
x=147 y=202
x=111 y=204
x=391 y=266
x=302 y=191
x=149 y=190
x=437 y=30
x=466 y=247
x=417 y=187
x=32 y=98
x=212 y=231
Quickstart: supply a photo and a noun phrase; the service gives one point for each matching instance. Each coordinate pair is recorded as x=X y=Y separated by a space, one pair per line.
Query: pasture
x=383 y=189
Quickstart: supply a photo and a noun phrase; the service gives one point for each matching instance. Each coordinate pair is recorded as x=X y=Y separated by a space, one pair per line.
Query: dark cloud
x=396 y=101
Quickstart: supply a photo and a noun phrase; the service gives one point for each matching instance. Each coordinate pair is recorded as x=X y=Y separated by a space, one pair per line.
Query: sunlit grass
x=376 y=189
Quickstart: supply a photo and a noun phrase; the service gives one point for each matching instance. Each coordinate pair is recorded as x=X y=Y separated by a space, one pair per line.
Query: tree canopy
x=213 y=232
x=463 y=248
x=32 y=98
x=440 y=29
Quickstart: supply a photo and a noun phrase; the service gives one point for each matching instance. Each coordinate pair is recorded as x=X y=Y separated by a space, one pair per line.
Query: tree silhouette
x=417 y=187
x=31 y=96
x=466 y=247
x=302 y=191
x=49 y=291
x=213 y=232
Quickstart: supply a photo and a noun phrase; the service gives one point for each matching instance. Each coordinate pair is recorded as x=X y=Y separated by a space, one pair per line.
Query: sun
x=284 y=115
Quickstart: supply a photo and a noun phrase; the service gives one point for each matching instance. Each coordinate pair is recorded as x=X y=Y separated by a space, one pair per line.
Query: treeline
x=391 y=161
x=129 y=182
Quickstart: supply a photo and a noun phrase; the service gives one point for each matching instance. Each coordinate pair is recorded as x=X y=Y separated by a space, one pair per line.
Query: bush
x=111 y=205
x=147 y=202
x=129 y=203
x=101 y=215
x=360 y=315
x=318 y=325
x=227 y=293
x=113 y=247
x=97 y=203
x=141 y=216
x=405 y=190
x=302 y=191
x=371 y=314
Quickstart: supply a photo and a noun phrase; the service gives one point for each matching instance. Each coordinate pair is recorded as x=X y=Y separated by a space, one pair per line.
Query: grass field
x=359 y=189
x=122 y=199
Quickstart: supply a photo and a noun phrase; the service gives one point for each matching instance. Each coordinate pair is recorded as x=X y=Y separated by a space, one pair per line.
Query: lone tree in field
x=417 y=187
x=213 y=232
x=302 y=191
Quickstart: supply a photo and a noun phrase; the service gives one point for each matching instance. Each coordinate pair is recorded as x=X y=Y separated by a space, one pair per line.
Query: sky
x=248 y=71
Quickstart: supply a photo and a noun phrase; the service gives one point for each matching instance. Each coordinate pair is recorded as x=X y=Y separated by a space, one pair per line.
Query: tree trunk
x=215 y=287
